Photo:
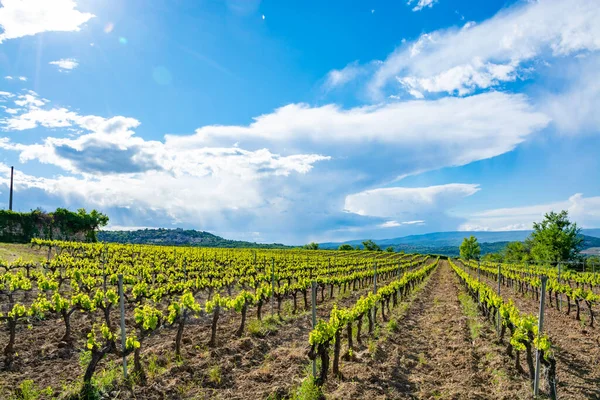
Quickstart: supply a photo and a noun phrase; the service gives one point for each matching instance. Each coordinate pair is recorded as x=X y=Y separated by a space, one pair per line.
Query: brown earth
x=577 y=345
x=433 y=355
x=261 y=364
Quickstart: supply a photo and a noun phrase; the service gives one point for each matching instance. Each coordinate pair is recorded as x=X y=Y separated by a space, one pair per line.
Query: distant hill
x=447 y=243
x=178 y=237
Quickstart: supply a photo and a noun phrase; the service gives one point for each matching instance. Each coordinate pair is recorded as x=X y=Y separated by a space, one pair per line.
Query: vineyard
x=124 y=321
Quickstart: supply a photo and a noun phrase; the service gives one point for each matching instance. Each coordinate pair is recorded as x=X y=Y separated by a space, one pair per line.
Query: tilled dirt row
x=577 y=346
x=433 y=355
x=247 y=367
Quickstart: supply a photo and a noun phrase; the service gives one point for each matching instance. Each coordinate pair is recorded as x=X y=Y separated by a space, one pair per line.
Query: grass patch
x=308 y=390
x=263 y=328
x=12 y=251
x=108 y=378
x=392 y=326
x=470 y=310
x=29 y=391
x=214 y=375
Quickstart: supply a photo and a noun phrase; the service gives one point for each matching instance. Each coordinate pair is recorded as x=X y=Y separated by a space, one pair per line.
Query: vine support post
x=374 y=289
x=375 y=278
x=560 y=294
x=536 y=382
x=498 y=312
x=123 y=334
x=272 y=285
x=314 y=320
x=478 y=281
x=10 y=197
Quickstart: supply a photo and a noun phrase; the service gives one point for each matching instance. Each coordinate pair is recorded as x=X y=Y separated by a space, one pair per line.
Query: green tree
x=592 y=263
x=493 y=257
x=555 y=239
x=389 y=249
x=469 y=249
x=311 y=246
x=345 y=247
x=95 y=220
x=516 y=252
x=371 y=245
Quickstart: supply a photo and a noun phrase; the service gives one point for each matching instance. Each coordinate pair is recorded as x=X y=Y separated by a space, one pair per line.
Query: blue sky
x=294 y=121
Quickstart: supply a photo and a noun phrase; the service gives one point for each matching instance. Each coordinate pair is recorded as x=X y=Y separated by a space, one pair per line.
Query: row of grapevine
x=572 y=285
x=326 y=333
x=164 y=287
x=523 y=329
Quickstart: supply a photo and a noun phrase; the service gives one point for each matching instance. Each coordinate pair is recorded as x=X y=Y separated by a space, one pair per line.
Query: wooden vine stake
x=498 y=312
x=123 y=333
x=314 y=320
x=536 y=382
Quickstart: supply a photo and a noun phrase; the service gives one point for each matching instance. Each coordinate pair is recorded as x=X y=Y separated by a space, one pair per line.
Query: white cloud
x=23 y=78
x=20 y=18
x=30 y=99
x=575 y=109
x=395 y=224
x=401 y=201
x=494 y=51
x=339 y=77
x=65 y=64
x=463 y=79
x=421 y=4
x=583 y=210
x=468 y=129
x=8 y=77
x=390 y=224
x=259 y=177
x=29 y=114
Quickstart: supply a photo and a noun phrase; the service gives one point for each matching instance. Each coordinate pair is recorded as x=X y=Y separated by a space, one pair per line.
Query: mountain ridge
x=446 y=243
x=179 y=237
x=453 y=238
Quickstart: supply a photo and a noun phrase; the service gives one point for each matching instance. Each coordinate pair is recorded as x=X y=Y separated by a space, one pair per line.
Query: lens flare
x=123 y=40
x=109 y=27
x=161 y=75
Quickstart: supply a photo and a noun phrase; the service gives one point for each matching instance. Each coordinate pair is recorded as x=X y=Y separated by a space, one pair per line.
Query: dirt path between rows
x=577 y=346
x=433 y=355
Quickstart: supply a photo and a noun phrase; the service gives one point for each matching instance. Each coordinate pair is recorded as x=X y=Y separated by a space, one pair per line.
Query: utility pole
x=12 y=170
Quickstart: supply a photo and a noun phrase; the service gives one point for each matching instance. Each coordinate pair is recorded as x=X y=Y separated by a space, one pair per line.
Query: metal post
x=123 y=335
x=536 y=382
x=374 y=289
x=560 y=294
x=498 y=312
x=272 y=284
x=478 y=280
x=314 y=320
x=375 y=278
x=10 y=198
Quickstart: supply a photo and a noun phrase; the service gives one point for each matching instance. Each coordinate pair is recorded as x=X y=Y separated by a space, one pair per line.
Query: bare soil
x=254 y=366
x=577 y=345
x=433 y=355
